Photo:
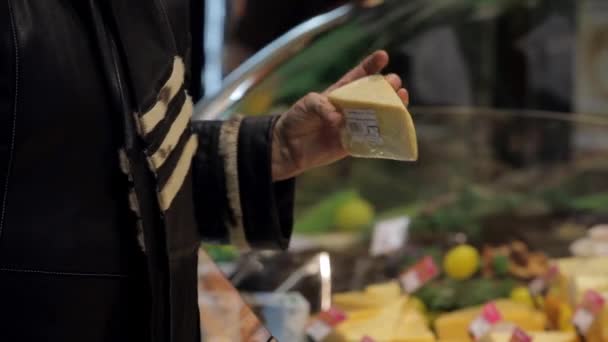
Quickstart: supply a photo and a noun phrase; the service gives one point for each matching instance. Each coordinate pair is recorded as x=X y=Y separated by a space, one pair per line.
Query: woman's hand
x=308 y=134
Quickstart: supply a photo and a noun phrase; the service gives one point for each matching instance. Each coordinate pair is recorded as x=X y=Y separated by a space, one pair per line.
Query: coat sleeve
x=235 y=199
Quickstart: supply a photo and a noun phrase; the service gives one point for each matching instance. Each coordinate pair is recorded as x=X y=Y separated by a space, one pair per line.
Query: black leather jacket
x=106 y=188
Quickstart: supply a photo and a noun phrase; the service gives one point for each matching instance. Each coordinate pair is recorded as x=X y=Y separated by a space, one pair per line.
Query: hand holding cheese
x=377 y=123
x=309 y=134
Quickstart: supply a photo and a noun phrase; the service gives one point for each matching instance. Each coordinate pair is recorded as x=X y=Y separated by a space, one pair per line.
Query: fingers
x=321 y=106
x=373 y=64
x=396 y=83
x=404 y=96
x=394 y=80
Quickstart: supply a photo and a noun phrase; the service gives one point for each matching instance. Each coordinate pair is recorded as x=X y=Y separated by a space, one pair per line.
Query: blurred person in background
x=107 y=189
x=256 y=23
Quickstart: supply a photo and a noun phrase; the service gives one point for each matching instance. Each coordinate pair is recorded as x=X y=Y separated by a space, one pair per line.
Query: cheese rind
x=377 y=123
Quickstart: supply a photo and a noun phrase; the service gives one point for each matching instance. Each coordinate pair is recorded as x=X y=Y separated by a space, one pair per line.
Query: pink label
x=332 y=316
x=540 y=284
x=324 y=324
x=482 y=325
x=367 y=339
x=419 y=274
x=588 y=310
x=593 y=301
x=490 y=313
x=520 y=336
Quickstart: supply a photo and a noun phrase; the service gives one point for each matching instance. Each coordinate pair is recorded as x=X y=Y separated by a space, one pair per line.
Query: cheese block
x=455 y=324
x=356 y=300
x=580 y=274
x=542 y=336
x=592 y=265
x=396 y=322
x=412 y=328
x=374 y=296
x=389 y=290
x=581 y=283
x=377 y=123
x=599 y=328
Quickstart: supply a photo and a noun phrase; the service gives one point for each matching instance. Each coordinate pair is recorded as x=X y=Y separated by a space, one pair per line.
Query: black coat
x=87 y=88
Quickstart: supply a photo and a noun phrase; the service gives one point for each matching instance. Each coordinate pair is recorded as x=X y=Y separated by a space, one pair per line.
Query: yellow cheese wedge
x=455 y=324
x=389 y=290
x=377 y=123
x=395 y=322
x=580 y=274
x=580 y=284
x=599 y=328
x=350 y=301
x=374 y=296
x=380 y=327
x=412 y=328
x=544 y=336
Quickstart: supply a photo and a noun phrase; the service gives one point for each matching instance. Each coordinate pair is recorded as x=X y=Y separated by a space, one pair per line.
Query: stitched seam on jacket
x=73 y=274
x=14 y=129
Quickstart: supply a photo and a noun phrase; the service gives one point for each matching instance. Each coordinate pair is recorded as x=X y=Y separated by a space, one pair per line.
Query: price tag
x=588 y=310
x=318 y=330
x=583 y=320
x=539 y=285
x=419 y=274
x=389 y=236
x=520 y=336
x=324 y=324
x=482 y=325
x=367 y=339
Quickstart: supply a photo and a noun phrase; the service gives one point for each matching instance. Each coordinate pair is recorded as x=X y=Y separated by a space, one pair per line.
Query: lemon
x=354 y=215
x=521 y=294
x=461 y=262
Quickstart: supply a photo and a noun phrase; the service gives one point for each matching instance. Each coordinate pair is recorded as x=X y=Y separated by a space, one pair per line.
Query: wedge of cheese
x=395 y=322
x=580 y=274
x=374 y=296
x=599 y=329
x=576 y=265
x=544 y=336
x=377 y=123
x=455 y=325
x=388 y=290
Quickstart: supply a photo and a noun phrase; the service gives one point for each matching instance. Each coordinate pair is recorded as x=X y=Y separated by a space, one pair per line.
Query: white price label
x=537 y=286
x=318 y=330
x=583 y=319
x=362 y=125
x=479 y=327
x=389 y=235
x=410 y=282
x=483 y=324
